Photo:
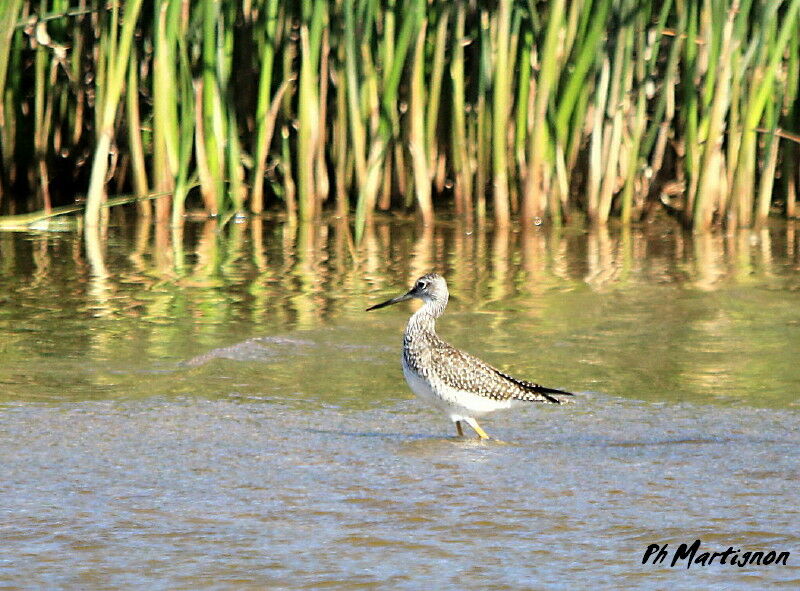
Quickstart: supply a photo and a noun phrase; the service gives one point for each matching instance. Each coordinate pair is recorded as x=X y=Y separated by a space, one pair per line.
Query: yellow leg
x=458 y=428
x=474 y=424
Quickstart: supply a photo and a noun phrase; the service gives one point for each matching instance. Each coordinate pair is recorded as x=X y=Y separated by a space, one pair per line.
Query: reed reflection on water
x=299 y=272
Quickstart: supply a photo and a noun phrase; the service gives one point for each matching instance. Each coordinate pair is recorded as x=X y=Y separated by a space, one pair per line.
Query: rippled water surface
x=216 y=410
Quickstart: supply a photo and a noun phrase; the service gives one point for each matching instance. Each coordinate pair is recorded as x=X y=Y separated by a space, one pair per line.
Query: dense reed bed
x=497 y=110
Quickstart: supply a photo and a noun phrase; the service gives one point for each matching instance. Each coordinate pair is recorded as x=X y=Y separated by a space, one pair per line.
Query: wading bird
x=459 y=384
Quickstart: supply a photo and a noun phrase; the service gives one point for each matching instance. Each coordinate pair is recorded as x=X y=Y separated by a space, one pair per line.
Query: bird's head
x=430 y=288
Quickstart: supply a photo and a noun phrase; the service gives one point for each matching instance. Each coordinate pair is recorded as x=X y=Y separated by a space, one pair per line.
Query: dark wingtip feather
x=543 y=391
x=548 y=393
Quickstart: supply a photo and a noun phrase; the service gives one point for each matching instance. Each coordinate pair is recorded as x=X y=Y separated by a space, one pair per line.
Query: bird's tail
x=556 y=396
x=542 y=393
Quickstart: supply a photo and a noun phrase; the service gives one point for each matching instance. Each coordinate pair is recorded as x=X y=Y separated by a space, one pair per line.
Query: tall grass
x=497 y=111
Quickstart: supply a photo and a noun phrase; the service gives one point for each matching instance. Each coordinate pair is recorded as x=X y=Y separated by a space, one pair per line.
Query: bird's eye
x=420 y=285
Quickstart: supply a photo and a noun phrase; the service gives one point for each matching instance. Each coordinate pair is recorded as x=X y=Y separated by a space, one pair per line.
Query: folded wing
x=466 y=372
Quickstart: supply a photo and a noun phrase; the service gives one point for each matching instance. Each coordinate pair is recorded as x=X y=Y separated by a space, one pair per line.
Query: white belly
x=457 y=404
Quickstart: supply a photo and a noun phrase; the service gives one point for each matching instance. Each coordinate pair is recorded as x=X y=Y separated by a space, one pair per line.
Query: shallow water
x=225 y=415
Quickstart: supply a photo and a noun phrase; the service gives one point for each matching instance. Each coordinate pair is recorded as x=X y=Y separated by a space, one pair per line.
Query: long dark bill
x=398 y=299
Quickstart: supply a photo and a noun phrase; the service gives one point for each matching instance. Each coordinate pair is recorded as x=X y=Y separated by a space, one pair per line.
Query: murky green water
x=224 y=414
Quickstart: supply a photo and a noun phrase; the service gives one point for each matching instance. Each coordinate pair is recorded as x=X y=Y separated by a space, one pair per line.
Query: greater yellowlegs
x=459 y=384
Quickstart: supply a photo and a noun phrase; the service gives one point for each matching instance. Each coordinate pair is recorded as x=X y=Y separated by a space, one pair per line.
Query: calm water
x=217 y=411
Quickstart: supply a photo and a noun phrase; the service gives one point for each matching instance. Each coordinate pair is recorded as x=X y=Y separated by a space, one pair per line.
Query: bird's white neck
x=425 y=317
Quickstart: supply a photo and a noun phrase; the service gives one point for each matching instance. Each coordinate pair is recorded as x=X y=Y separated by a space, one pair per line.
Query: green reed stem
x=108 y=109
x=263 y=139
x=416 y=139
x=501 y=103
x=539 y=148
x=307 y=128
x=136 y=146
